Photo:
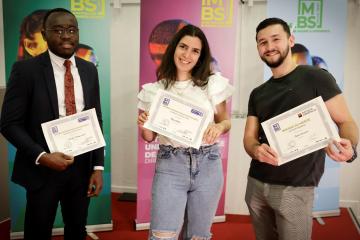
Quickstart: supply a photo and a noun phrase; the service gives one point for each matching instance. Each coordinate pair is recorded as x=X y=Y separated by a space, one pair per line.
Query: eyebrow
x=63 y=26
x=272 y=36
x=198 y=49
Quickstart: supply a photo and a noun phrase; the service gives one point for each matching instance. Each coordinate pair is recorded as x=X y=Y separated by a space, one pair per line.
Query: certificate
x=178 y=119
x=75 y=134
x=301 y=130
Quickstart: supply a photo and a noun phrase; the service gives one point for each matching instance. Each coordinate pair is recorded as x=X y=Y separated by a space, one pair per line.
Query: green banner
x=22 y=39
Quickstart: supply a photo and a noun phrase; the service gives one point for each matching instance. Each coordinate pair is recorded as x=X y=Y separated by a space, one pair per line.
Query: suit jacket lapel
x=50 y=81
x=83 y=77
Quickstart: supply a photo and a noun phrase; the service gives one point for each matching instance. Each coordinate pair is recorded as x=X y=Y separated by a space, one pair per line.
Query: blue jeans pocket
x=214 y=154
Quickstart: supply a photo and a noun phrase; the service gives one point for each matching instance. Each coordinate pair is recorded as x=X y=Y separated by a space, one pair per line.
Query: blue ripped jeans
x=187 y=186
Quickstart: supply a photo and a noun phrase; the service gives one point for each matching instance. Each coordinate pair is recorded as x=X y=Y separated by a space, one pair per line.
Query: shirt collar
x=59 y=61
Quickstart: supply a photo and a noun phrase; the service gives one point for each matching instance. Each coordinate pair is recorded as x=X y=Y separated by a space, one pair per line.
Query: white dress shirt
x=59 y=74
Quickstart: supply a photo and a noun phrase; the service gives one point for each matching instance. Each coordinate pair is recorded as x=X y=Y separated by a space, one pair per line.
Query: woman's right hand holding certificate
x=142 y=118
x=147 y=134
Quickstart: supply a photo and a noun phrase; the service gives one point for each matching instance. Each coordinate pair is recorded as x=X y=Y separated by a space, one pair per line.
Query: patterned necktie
x=69 y=90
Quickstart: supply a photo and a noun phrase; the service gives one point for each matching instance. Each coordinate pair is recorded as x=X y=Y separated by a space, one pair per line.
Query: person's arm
x=222 y=124
x=348 y=130
x=260 y=152
x=15 y=115
x=98 y=156
x=146 y=134
x=96 y=180
x=14 y=112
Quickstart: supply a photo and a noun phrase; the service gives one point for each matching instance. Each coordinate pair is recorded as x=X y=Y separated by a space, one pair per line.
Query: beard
x=279 y=61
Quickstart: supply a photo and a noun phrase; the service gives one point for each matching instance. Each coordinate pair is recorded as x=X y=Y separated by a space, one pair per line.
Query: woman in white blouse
x=188 y=182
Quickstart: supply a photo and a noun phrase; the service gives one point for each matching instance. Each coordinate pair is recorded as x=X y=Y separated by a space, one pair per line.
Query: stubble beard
x=277 y=63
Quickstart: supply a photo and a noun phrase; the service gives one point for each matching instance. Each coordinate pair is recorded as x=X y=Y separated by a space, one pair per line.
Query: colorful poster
x=160 y=20
x=320 y=42
x=22 y=37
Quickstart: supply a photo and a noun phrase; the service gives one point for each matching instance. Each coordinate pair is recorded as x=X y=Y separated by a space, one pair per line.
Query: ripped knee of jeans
x=162 y=235
x=200 y=238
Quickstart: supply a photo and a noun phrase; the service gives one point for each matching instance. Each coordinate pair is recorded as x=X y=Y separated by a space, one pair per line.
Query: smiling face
x=273 y=45
x=186 y=55
x=62 y=44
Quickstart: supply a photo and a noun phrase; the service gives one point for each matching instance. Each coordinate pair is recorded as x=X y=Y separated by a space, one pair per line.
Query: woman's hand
x=212 y=133
x=142 y=118
x=221 y=126
x=146 y=134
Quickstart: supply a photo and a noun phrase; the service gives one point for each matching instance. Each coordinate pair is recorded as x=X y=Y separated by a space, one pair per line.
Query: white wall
x=349 y=174
x=249 y=68
x=125 y=44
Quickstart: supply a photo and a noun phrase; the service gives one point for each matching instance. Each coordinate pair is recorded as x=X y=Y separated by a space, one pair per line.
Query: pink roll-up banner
x=160 y=20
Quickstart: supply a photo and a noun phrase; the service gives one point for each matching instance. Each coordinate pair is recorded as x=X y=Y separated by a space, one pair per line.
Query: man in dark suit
x=38 y=91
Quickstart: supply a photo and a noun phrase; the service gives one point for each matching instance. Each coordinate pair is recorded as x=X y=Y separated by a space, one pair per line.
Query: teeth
x=271 y=53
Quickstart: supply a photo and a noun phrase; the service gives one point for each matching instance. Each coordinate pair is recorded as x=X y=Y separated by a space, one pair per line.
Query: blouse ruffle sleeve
x=147 y=95
x=219 y=89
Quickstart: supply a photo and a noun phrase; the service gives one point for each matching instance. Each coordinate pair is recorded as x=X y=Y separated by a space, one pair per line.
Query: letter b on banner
x=212 y=10
x=88 y=8
x=84 y=5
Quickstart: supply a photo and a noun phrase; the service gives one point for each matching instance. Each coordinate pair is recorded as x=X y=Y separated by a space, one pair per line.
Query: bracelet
x=354 y=156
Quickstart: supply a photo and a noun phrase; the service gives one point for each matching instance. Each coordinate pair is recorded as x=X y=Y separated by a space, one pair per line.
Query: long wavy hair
x=167 y=71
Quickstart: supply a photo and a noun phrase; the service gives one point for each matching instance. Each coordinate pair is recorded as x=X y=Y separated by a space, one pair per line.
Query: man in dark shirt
x=280 y=198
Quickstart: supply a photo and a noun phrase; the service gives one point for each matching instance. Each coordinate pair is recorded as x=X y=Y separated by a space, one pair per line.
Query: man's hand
x=95 y=183
x=57 y=161
x=340 y=151
x=264 y=153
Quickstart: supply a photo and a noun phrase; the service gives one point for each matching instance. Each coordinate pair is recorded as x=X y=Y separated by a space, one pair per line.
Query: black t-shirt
x=277 y=96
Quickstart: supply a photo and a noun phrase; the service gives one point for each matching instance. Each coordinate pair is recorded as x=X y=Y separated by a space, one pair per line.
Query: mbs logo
x=88 y=8
x=310 y=16
x=216 y=13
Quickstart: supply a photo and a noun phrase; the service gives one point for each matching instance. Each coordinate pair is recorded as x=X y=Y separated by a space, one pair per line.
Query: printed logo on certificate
x=301 y=130
x=75 y=134
x=178 y=119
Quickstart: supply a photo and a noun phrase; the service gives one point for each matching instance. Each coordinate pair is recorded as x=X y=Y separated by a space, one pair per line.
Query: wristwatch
x=354 y=156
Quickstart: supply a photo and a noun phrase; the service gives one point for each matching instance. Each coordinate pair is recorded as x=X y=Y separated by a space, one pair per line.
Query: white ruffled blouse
x=217 y=90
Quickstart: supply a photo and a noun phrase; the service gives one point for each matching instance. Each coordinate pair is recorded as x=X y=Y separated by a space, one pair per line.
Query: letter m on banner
x=310 y=14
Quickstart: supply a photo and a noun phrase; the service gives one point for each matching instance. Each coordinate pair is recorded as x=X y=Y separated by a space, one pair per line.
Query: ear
x=292 y=40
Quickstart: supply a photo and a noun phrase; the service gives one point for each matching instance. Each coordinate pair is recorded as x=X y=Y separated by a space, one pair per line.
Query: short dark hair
x=55 y=10
x=273 y=21
x=201 y=71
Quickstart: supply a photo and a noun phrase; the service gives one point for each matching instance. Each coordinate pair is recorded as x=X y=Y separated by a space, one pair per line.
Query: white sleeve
x=147 y=95
x=219 y=89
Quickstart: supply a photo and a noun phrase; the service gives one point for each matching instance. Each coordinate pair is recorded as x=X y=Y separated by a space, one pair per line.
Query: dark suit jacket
x=30 y=100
